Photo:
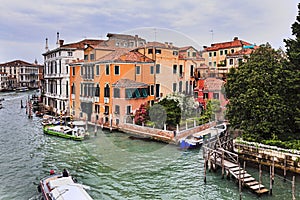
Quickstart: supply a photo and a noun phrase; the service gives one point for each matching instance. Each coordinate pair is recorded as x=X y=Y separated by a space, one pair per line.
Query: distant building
x=216 y=56
x=21 y=74
x=3 y=81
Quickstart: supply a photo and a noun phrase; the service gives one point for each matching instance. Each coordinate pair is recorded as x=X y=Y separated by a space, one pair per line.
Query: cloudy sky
x=24 y=25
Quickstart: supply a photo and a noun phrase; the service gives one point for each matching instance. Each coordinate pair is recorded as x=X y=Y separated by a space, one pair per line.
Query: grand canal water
x=112 y=164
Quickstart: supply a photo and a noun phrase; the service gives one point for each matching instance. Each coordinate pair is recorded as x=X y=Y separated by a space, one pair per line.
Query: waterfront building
x=21 y=74
x=174 y=69
x=3 y=81
x=211 y=88
x=98 y=87
x=56 y=72
x=216 y=56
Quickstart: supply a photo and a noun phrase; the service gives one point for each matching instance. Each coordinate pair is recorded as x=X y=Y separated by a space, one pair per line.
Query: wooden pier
x=217 y=153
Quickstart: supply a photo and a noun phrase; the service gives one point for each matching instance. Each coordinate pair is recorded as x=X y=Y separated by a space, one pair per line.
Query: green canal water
x=112 y=164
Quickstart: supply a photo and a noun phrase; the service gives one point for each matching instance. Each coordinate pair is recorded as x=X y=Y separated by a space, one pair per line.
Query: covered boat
x=59 y=187
x=76 y=133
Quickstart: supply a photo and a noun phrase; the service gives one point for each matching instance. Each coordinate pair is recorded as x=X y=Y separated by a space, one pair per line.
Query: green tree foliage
x=209 y=114
x=173 y=111
x=293 y=52
x=259 y=92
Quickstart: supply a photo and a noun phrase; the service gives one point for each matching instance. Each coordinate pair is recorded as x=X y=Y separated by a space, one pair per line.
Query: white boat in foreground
x=57 y=187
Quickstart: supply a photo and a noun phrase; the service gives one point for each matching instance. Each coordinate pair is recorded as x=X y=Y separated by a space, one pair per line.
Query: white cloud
x=254 y=21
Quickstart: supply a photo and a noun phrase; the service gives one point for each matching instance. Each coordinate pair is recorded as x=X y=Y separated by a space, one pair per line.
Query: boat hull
x=49 y=131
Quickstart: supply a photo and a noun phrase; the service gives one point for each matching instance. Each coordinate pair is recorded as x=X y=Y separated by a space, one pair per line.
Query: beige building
x=216 y=55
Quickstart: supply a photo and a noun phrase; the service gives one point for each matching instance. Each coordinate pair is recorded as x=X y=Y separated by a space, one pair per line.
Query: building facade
x=216 y=56
x=21 y=74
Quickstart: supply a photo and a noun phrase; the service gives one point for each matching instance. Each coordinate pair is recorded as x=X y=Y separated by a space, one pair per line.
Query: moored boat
x=191 y=142
x=22 y=89
x=76 y=133
x=62 y=187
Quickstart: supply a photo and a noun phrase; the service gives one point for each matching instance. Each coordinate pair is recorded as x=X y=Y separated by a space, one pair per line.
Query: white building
x=3 y=81
x=56 y=72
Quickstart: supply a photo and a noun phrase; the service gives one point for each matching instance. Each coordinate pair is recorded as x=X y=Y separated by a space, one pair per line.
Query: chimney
x=57 y=39
x=46 y=47
x=235 y=38
x=166 y=44
x=136 y=40
x=171 y=44
x=61 y=42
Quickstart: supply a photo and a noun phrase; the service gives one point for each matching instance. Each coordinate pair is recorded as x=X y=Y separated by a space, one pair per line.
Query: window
x=107 y=91
x=97 y=70
x=150 y=51
x=216 y=95
x=174 y=69
x=157 y=51
x=137 y=69
x=226 y=51
x=157 y=68
x=152 y=90
x=181 y=70
x=128 y=110
x=221 y=52
x=180 y=86
x=210 y=54
x=106 y=110
x=188 y=54
x=73 y=89
x=215 y=63
x=231 y=61
x=73 y=71
x=232 y=50
x=70 y=53
x=116 y=92
x=92 y=57
x=117 y=70
x=106 y=69
x=215 y=53
x=174 y=87
x=117 y=109
x=205 y=95
x=86 y=57
x=175 y=53
x=151 y=69
x=210 y=64
x=194 y=54
x=97 y=91
x=192 y=70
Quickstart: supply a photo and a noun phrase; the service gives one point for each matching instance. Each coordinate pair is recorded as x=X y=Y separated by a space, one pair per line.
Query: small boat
x=191 y=142
x=60 y=187
x=22 y=89
x=76 y=133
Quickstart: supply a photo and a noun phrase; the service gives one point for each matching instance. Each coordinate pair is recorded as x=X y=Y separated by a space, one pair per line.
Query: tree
x=141 y=114
x=172 y=110
x=293 y=53
x=259 y=92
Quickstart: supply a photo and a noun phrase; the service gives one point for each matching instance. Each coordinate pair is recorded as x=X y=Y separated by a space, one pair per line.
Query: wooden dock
x=215 y=154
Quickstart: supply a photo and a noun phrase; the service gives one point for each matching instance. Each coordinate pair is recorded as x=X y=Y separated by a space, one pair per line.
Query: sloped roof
x=213 y=84
x=159 y=45
x=82 y=43
x=127 y=83
x=225 y=45
x=243 y=52
x=15 y=63
x=124 y=55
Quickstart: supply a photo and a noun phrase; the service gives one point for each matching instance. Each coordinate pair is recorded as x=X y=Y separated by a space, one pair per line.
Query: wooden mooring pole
x=284 y=169
x=271 y=181
x=222 y=163
x=240 y=183
x=260 y=173
x=205 y=163
x=293 y=189
x=273 y=170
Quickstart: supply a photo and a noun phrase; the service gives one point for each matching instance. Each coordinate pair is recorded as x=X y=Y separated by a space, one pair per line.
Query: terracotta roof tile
x=124 y=55
x=226 y=45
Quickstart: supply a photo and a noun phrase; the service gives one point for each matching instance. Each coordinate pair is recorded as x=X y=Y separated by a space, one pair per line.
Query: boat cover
x=70 y=192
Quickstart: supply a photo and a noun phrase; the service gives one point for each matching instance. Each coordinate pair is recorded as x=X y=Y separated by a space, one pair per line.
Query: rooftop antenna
x=212 y=35
x=155 y=34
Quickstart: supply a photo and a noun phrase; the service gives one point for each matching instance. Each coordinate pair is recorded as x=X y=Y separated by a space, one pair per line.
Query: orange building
x=92 y=85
